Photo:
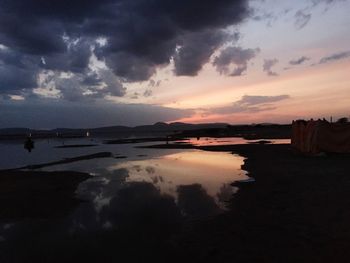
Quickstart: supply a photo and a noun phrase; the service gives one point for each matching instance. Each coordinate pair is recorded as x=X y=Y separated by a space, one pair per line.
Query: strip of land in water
x=64 y=161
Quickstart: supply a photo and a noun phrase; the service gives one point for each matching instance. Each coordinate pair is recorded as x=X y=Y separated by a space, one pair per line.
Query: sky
x=85 y=63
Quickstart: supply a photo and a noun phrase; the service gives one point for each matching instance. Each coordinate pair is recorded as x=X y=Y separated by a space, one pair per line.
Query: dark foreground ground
x=33 y=194
x=297 y=210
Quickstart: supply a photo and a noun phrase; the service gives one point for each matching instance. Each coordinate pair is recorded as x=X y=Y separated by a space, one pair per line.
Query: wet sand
x=30 y=195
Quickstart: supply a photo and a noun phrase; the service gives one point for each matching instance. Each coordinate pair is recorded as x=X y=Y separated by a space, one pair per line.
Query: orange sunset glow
x=267 y=67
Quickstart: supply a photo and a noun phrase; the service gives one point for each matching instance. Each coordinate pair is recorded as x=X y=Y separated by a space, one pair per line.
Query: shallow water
x=151 y=191
x=167 y=172
x=14 y=155
x=211 y=141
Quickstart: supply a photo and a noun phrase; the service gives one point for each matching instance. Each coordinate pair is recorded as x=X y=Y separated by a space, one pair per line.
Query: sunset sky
x=117 y=62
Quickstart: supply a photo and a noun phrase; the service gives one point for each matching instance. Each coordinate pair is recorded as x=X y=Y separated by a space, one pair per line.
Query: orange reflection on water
x=205 y=141
x=211 y=141
x=213 y=170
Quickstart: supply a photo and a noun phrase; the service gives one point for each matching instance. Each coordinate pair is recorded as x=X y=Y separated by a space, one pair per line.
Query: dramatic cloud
x=301 y=19
x=335 y=56
x=138 y=37
x=234 y=55
x=89 y=86
x=17 y=72
x=196 y=50
x=250 y=104
x=267 y=66
x=51 y=113
x=299 y=61
x=75 y=59
x=14 y=79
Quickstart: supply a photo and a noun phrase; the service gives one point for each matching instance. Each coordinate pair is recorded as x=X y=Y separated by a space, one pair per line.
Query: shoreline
x=296 y=210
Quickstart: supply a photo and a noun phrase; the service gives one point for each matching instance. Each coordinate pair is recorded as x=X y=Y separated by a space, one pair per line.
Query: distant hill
x=157 y=127
x=253 y=131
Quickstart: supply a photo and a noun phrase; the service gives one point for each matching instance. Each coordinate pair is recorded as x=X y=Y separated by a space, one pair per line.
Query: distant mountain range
x=178 y=129
x=157 y=127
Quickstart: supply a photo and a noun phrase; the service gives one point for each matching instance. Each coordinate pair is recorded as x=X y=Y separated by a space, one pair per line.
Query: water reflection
x=194 y=201
x=211 y=170
x=159 y=191
x=211 y=141
x=134 y=204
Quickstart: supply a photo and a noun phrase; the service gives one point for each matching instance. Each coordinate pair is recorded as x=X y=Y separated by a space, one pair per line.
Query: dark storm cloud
x=86 y=86
x=89 y=86
x=196 y=50
x=75 y=59
x=236 y=56
x=30 y=35
x=250 y=104
x=334 y=57
x=141 y=35
x=299 y=61
x=49 y=113
x=91 y=79
x=267 y=66
x=130 y=67
x=17 y=72
x=14 y=79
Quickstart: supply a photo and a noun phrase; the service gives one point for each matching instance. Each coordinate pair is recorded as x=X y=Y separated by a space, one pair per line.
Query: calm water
x=210 y=141
x=150 y=191
x=13 y=154
x=169 y=172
